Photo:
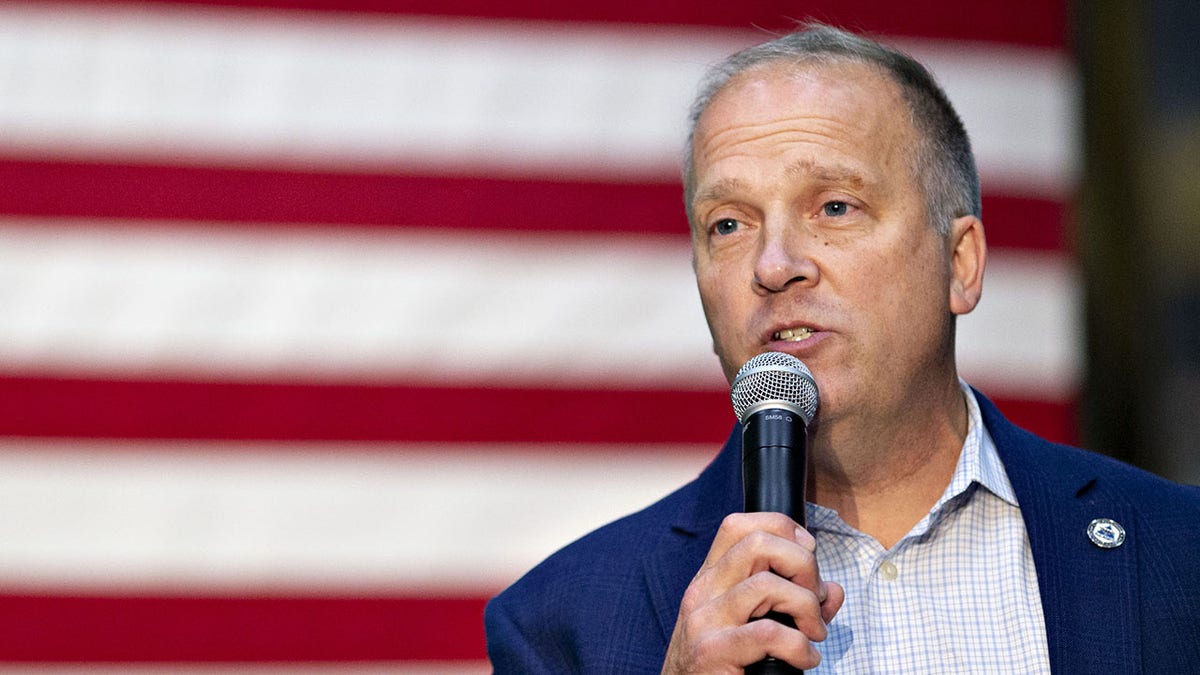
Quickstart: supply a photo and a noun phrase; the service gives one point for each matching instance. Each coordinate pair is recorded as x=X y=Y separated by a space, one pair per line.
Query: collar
x=978 y=464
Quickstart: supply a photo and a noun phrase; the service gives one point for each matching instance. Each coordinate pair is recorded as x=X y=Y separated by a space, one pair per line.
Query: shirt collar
x=978 y=463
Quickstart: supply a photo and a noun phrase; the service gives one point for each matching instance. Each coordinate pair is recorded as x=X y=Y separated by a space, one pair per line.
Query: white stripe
x=423 y=305
x=1026 y=338
x=539 y=310
x=1022 y=109
x=184 y=84
x=327 y=518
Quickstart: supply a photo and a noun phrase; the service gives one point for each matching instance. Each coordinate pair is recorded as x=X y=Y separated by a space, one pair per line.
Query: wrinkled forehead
x=811 y=85
x=845 y=111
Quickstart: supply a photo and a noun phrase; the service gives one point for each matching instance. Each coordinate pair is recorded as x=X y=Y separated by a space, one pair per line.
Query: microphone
x=775 y=398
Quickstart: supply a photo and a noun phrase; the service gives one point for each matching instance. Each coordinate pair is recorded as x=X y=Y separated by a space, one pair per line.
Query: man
x=834 y=207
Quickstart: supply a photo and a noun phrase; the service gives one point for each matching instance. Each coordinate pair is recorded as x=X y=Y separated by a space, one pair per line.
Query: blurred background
x=320 y=322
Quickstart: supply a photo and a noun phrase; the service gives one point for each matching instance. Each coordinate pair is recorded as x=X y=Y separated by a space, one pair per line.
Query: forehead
x=843 y=108
x=810 y=86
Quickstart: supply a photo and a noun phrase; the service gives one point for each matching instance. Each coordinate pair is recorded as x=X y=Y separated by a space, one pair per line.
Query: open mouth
x=793 y=334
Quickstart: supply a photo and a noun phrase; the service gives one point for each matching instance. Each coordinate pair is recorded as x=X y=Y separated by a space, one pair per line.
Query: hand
x=759 y=562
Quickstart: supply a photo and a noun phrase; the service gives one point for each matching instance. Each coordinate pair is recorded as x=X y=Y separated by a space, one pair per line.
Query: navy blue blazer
x=608 y=602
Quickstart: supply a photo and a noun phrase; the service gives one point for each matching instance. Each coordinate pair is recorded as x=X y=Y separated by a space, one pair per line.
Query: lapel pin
x=1106 y=533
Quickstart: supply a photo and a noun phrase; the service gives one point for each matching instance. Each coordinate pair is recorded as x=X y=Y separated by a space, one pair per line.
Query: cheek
x=896 y=288
x=914 y=262
x=726 y=307
x=867 y=278
x=910 y=306
x=717 y=299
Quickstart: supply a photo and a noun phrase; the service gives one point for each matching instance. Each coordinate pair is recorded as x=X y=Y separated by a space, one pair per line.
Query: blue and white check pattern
x=958 y=594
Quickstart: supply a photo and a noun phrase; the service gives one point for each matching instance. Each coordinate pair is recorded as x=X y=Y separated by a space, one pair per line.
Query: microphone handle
x=771 y=666
x=774 y=465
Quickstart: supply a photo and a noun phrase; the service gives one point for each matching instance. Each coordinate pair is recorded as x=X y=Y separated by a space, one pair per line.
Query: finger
x=760 y=551
x=757 y=640
x=766 y=592
x=737 y=526
x=754 y=553
x=745 y=544
x=767 y=542
x=835 y=595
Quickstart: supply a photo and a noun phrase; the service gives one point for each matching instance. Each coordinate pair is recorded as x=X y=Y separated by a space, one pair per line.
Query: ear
x=968 y=257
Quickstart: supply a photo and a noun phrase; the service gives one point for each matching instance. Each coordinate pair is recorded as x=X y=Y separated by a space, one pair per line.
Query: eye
x=725 y=226
x=835 y=209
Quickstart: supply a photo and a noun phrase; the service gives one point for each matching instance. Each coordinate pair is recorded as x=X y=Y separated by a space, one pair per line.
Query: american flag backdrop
x=320 y=322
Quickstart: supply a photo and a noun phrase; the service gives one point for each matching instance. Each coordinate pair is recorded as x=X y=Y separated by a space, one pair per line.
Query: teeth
x=794 y=334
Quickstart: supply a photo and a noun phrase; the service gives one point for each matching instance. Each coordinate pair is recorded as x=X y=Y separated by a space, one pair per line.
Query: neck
x=882 y=474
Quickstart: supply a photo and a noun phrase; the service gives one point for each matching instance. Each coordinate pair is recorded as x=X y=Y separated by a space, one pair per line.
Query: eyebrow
x=719 y=190
x=825 y=173
x=835 y=173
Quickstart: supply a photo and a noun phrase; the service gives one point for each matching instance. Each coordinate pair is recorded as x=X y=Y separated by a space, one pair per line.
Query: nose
x=783 y=259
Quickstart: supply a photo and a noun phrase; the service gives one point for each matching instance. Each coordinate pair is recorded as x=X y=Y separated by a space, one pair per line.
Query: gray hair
x=943 y=162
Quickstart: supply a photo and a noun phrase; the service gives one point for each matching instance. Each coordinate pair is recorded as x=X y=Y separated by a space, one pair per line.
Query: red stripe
x=154 y=192
x=1026 y=223
x=143 y=192
x=50 y=407
x=1055 y=421
x=1042 y=23
x=357 y=412
x=181 y=629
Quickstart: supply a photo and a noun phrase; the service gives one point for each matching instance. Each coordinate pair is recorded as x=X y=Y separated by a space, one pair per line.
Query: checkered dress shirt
x=958 y=594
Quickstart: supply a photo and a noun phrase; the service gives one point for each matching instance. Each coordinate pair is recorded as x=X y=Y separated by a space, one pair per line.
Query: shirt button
x=888 y=571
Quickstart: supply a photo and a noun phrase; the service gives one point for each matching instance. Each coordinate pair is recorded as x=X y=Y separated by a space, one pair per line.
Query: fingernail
x=805 y=539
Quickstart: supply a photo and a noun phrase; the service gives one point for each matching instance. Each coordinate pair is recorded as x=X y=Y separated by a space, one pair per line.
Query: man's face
x=811 y=237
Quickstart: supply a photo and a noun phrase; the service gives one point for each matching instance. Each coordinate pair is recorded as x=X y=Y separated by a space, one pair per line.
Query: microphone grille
x=775 y=376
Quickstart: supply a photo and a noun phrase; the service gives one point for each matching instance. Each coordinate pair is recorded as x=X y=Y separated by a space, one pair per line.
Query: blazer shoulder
x=1033 y=462
x=607 y=558
x=613 y=550
x=567 y=613
x=1153 y=494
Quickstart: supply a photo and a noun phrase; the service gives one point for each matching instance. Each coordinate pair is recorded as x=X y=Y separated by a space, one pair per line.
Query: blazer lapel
x=1089 y=593
x=716 y=493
